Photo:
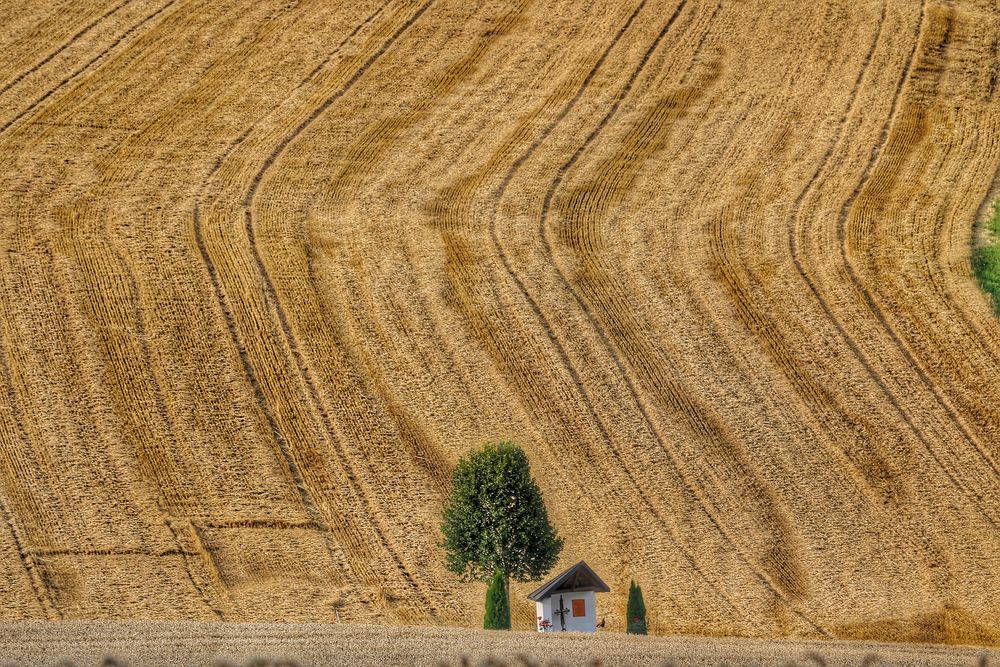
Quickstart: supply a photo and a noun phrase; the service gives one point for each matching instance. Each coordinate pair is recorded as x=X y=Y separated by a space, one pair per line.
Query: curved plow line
x=810 y=186
x=271 y=297
x=360 y=159
x=464 y=192
x=536 y=310
x=28 y=72
x=100 y=273
x=690 y=411
x=121 y=38
x=358 y=28
x=978 y=335
x=185 y=555
x=157 y=466
x=852 y=344
x=50 y=521
x=164 y=414
x=991 y=198
x=347 y=534
x=38 y=585
x=42 y=593
x=360 y=568
x=449 y=214
x=599 y=329
x=271 y=293
x=723 y=263
x=845 y=214
x=236 y=143
x=824 y=305
x=805 y=387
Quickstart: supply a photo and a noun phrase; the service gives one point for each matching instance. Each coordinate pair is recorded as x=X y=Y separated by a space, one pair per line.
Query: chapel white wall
x=585 y=623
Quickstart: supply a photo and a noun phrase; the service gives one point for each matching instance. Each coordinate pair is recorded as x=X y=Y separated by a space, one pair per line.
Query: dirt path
x=171 y=643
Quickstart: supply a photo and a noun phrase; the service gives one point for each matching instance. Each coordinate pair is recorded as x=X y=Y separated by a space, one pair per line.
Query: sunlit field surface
x=269 y=268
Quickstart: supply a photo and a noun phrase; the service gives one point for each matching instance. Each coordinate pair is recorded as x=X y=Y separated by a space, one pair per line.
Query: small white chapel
x=568 y=602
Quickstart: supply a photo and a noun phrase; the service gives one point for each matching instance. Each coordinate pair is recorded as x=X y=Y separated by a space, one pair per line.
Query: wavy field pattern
x=268 y=269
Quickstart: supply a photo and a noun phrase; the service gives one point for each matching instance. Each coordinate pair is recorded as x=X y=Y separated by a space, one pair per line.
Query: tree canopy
x=495 y=519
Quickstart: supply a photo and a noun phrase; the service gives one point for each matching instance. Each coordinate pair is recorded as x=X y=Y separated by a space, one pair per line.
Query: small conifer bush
x=497 y=604
x=636 y=611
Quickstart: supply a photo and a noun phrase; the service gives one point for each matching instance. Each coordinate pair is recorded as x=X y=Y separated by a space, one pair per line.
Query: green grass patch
x=986 y=259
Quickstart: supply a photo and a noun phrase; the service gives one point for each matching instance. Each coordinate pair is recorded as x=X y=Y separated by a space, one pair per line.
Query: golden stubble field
x=269 y=268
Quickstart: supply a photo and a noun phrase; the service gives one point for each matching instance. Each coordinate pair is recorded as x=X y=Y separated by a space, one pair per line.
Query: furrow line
x=795 y=226
x=121 y=38
x=869 y=300
x=275 y=524
x=47 y=553
x=327 y=103
x=688 y=409
x=290 y=464
x=28 y=72
x=796 y=212
x=187 y=570
x=42 y=592
x=272 y=294
x=164 y=413
x=38 y=585
x=704 y=313
x=866 y=293
x=316 y=70
x=824 y=305
x=565 y=361
x=995 y=74
x=238 y=141
x=360 y=159
x=240 y=347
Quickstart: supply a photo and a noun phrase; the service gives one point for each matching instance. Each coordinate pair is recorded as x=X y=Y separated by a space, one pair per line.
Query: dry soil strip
x=171 y=643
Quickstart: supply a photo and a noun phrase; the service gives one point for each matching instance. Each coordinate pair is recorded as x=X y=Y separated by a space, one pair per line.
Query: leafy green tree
x=497 y=604
x=635 y=613
x=495 y=521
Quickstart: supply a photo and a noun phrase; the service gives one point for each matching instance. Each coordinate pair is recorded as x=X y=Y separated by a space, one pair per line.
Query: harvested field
x=269 y=268
x=122 y=644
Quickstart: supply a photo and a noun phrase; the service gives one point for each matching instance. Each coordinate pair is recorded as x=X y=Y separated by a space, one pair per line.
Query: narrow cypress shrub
x=636 y=612
x=497 y=604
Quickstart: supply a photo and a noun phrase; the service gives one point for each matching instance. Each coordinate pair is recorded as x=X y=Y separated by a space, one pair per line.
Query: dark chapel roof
x=577 y=578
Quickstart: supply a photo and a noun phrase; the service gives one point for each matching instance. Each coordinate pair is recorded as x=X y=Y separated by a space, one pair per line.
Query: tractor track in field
x=789 y=370
x=72 y=40
x=498 y=195
x=170 y=429
x=90 y=63
x=289 y=336
x=690 y=411
x=43 y=594
x=866 y=294
x=565 y=362
x=291 y=466
x=372 y=146
x=185 y=558
x=303 y=370
x=814 y=290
